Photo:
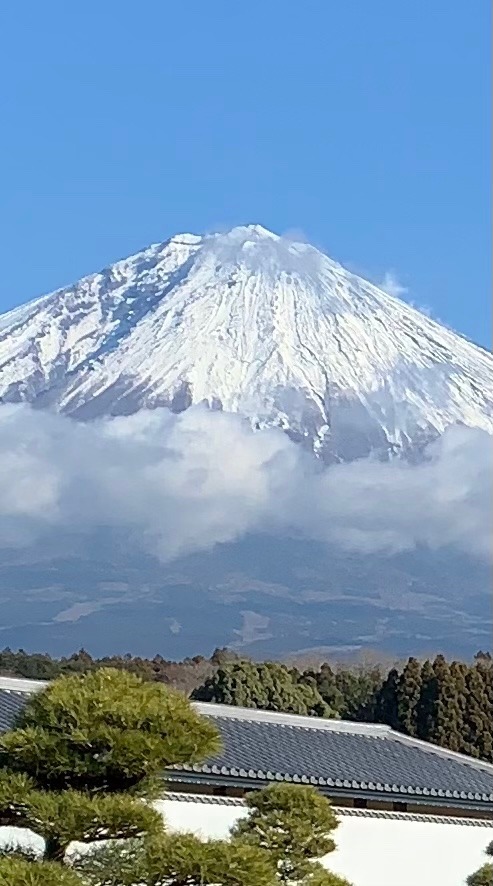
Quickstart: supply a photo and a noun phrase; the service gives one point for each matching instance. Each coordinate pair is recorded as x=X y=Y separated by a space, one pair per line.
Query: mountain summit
x=249 y=322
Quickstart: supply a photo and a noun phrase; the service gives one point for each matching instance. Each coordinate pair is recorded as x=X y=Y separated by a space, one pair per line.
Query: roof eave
x=177 y=776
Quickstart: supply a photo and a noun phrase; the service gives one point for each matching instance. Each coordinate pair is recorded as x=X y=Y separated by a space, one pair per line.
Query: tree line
x=449 y=703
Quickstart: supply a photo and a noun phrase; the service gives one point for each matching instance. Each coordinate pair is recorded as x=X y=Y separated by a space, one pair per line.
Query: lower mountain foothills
x=446 y=702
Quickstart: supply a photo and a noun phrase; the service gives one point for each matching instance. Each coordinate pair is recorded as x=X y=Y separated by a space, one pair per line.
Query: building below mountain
x=410 y=812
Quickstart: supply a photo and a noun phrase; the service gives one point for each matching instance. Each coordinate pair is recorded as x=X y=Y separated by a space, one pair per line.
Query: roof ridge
x=256 y=715
x=446 y=753
x=21 y=684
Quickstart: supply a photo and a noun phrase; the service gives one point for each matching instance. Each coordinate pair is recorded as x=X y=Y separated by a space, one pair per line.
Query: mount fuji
x=253 y=323
x=273 y=330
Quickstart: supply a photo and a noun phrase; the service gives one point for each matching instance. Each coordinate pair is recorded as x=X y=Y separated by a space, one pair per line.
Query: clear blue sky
x=364 y=123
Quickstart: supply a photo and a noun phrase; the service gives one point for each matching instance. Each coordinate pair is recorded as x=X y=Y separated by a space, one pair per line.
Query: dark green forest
x=449 y=703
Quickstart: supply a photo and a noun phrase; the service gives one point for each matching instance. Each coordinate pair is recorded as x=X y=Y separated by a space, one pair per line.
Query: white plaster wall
x=381 y=852
x=370 y=851
x=20 y=837
x=206 y=819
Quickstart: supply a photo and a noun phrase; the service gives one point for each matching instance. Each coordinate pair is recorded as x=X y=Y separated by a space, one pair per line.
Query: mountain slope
x=265 y=596
x=251 y=323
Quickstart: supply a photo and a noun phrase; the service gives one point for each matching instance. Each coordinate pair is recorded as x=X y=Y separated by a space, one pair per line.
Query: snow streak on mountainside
x=253 y=323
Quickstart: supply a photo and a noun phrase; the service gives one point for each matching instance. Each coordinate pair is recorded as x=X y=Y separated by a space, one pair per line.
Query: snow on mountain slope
x=253 y=323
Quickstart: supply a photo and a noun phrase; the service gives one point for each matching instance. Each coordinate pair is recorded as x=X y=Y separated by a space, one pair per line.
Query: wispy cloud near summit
x=392 y=286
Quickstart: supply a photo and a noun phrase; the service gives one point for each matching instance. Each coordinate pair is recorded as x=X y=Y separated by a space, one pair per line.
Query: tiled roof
x=21 y=684
x=11 y=704
x=342 y=758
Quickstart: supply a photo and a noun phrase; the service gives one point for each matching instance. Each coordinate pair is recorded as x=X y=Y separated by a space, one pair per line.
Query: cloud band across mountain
x=185 y=483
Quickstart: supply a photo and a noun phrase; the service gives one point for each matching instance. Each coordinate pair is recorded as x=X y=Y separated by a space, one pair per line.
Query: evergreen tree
x=33 y=667
x=222 y=655
x=359 y=689
x=78 y=663
x=456 y=713
x=488 y=682
x=443 y=698
x=426 y=711
x=483 y=656
x=386 y=703
x=294 y=824
x=19 y=872
x=325 y=681
x=175 y=860
x=478 y=715
x=485 y=668
x=408 y=697
x=484 y=876
x=78 y=767
x=105 y=731
x=81 y=745
x=267 y=686
x=288 y=826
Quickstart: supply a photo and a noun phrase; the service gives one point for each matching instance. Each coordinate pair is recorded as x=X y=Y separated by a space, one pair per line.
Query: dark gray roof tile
x=348 y=756
x=11 y=704
x=380 y=761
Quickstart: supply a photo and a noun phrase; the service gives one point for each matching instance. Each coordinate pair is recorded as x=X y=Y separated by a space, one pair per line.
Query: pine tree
x=294 y=824
x=287 y=828
x=19 y=872
x=176 y=860
x=484 y=876
x=82 y=745
x=79 y=766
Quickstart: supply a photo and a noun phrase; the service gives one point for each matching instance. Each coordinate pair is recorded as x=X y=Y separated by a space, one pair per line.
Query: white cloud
x=296 y=235
x=391 y=285
x=184 y=483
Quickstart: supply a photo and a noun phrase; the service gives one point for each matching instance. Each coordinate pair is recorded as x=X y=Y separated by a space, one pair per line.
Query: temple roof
x=342 y=758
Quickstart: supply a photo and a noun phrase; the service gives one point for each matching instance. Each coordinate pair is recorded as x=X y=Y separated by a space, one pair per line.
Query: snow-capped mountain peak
x=249 y=322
